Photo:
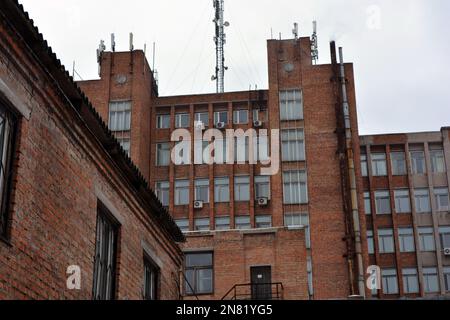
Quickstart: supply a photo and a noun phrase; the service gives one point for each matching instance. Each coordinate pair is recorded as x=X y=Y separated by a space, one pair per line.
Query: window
x=182 y=120
x=7 y=137
x=422 y=200
x=364 y=166
x=242 y=188
x=202 y=190
x=222 y=223
x=203 y=118
x=220 y=151
x=406 y=239
x=221 y=116
x=163 y=192
x=242 y=223
x=430 y=280
x=255 y=114
x=105 y=256
x=162 y=154
x=240 y=116
x=262 y=222
x=437 y=161
x=120 y=116
x=447 y=278
x=299 y=220
x=418 y=162
x=125 y=143
x=444 y=233
x=262 y=187
x=426 y=236
x=151 y=279
x=291 y=105
x=294 y=186
x=390 y=284
x=398 y=161
x=370 y=242
x=222 y=190
x=379 y=164
x=410 y=280
x=202 y=224
x=181 y=192
x=241 y=149
x=441 y=196
x=199 y=273
x=386 y=240
x=383 y=202
x=183 y=224
x=293 y=145
x=367 y=203
x=163 y=121
x=402 y=201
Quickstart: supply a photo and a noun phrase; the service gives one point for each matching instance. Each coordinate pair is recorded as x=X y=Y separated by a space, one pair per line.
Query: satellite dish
x=226 y=24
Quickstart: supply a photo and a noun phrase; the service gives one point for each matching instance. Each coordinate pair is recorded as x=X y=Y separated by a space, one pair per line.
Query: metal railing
x=256 y=291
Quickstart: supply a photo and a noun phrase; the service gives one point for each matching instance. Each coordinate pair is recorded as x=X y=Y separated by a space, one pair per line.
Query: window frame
x=385 y=284
x=177 y=188
x=419 y=197
x=379 y=166
x=158 y=154
x=243 y=196
x=218 y=198
x=433 y=160
x=381 y=195
x=160 y=121
x=160 y=190
x=396 y=171
x=179 y=120
x=407 y=274
x=150 y=267
x=415 y=162
x=201 y=183
x=125 y=113
x=295 y=143
x=399 y=195
x=288 y=105
x=187 y=289
x=424 y=238
x=237 y=115
x=406 y=234
x=382 y=238
x=427 y=273
x=302 y=182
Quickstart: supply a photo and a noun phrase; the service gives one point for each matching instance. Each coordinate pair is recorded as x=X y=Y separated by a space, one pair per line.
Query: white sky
x=400 y=48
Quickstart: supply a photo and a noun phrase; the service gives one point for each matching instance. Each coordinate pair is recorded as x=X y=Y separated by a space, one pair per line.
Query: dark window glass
x=151 y=279
x=199 y=273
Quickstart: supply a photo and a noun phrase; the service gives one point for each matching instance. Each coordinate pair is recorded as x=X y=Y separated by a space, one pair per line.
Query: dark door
x=261 y=283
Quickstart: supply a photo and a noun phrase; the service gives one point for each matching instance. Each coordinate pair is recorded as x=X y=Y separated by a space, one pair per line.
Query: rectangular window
x=7 y=137
x=293 y=145
x=402 y=201
x=291 y=105
x=262 y=222
x=242 y=188
x=241 y=150
x=202 y=190
x=410 y=280
x=367 y=203
x=262 y=187
x=437 y=161
x=222 y=190
x=221 y=116
x=125 y=143
x=120 y=116
x=383 y=202
x=430 y=280
x=299 y=220
x=364 y=165
x=162 y=154
x=182 y=120
x=418 y=165
x=105 y=256
x=390 y=283
x=370 y=242
x=379 y=168
x=444 y=234
x=163 y=121
x=202 y=224
x=447 y=279
x=422 y=200
x=242 y=223
x=386 y=240
x=426 y=238
x=183 y=224
x=181 y=192
x=151 y=280
x=163 y=192
x=294 y=187
x=240 y=116
x=199 y=273
x=222 y=223
x=202 y=118
x=441 y=197
x=406 y=239
x=398 y=161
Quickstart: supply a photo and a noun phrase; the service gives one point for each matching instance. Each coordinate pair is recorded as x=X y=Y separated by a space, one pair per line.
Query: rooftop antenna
x=314 y=44
x=113 y=42
x=220 y=40
x=131 y=42
x=295 y=31
x=154 y=55
x=100 y=50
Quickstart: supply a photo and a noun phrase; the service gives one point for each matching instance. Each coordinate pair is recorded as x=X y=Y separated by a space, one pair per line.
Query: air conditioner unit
x=257 y=124
x=263 y=202
x=447 y=252
x=220 y=125
x=198 y=204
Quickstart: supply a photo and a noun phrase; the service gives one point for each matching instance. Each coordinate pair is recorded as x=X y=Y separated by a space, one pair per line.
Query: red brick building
x=78 y=220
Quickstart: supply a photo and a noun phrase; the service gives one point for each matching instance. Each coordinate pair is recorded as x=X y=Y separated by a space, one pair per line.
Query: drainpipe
x=352 y=178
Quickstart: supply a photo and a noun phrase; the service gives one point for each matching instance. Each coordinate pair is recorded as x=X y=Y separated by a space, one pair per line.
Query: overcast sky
x=401 y=48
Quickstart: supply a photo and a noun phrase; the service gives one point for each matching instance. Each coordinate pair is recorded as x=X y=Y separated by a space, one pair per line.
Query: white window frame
x=379 y=164
x=385 y=196
x=295 y=184
x=239 y=118
x=161 y=120
x=180 y=118
x=119 y=116
x=293 y=145
x=291 y=105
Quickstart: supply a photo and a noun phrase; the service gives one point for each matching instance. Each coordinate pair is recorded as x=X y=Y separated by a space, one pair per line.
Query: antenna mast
x=220 y=40
x=314 y=44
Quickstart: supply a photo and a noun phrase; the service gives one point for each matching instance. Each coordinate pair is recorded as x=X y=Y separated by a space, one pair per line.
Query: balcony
x=256 y=291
